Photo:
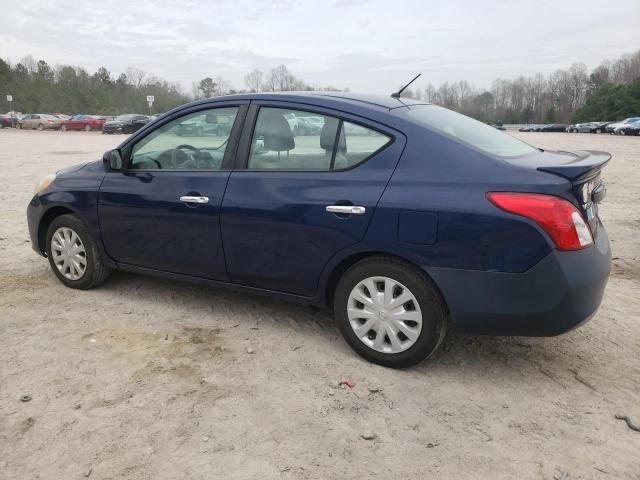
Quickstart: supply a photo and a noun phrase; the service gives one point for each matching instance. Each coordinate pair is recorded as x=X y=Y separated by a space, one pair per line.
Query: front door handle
x=346 y=209
x=188 y=199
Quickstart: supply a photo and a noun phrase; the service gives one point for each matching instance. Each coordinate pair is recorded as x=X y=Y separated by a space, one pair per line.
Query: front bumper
x=558 y=294
x=35 y=211
x=113 y=128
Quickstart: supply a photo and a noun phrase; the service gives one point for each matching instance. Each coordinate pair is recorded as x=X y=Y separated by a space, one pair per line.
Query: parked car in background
x=554 y=127
x=528 y=128
x=598 y=127
x=630 y=128
x=40 y=121
x=83 y=122
x=206 y=124
x=5 y=121
x=126 y=123
x=309 y=125
x=611 y=128
x=635 y=129
x=624 y=127
x=405 y=219
x=587 y=127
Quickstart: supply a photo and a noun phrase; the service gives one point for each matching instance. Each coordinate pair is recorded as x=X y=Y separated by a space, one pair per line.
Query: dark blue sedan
x=405 y=218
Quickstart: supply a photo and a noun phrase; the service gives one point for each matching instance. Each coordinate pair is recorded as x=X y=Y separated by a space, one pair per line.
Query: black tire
x=96 y=271
x=40 y=127
x=432 y=306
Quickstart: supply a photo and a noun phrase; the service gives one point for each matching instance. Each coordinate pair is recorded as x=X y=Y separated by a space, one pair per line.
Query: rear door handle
x=346 y=209
x=188 y=199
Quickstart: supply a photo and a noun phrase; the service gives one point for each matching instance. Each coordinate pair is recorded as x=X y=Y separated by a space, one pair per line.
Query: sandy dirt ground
x=149 y=379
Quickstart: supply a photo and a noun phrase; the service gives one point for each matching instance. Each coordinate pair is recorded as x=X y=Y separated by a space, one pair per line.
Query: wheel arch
x=337 y=271
x=49 y=216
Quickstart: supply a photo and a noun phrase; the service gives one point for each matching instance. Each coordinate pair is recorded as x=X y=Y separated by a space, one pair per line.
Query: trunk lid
x=582 y=169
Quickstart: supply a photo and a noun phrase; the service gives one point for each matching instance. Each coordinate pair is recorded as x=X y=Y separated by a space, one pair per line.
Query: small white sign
x=150 y=98
x=9 y=98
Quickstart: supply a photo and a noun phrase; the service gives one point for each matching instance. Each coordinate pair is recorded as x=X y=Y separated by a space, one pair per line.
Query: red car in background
x=83 y=122
x=5 y=121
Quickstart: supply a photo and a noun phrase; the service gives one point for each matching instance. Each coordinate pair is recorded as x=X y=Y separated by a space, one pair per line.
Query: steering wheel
x=175 y=160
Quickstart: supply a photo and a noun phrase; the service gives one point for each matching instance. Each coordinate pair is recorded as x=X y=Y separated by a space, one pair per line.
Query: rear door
x=163 y=211
x=297 y=200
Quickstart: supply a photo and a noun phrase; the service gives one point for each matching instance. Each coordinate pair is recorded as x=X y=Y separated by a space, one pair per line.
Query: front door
x=163 y=210
x=302 y=198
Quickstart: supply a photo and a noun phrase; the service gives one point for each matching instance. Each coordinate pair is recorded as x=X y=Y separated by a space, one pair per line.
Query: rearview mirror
x=112 y=160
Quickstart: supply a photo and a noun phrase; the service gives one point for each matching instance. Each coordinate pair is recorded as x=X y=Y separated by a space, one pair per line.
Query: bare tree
x=135 y=76
x=280 y=79
x=222 y=86
x=253 y=80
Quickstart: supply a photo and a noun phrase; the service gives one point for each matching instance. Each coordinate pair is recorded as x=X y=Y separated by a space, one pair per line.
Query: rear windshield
x=467 y=130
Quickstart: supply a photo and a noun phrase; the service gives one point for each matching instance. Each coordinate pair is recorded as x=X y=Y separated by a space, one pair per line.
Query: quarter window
x=195 y=141
x=359 y=144
x=286 y=139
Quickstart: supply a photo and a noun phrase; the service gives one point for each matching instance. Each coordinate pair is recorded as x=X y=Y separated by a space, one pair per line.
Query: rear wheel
x=87 y=128
x=73 y=254
x=63 y=128
x=40 y=127
x=389 y=312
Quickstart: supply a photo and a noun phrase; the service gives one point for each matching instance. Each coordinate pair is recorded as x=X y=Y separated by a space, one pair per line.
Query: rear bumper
x=558 y=294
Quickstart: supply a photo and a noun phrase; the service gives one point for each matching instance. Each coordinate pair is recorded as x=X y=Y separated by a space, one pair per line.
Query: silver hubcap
x=69 y=254
x=384 y=314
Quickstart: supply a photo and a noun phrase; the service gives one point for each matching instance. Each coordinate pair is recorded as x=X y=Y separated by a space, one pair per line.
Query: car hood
x=74 y=168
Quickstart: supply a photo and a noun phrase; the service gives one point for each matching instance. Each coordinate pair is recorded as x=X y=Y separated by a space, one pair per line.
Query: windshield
x=467 y=130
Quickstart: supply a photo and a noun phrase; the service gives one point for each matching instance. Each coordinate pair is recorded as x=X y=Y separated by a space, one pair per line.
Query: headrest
x=328 y=133
x=276 y=131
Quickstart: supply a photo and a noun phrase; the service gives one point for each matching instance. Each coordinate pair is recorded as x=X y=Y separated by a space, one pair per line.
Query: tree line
x=609 y=92
x=37 y=87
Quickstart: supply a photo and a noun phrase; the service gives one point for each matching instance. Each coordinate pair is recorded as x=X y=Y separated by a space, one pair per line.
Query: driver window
x=196 y=141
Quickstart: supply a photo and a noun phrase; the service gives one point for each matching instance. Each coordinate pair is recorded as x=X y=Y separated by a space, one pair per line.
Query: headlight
x=44 y=183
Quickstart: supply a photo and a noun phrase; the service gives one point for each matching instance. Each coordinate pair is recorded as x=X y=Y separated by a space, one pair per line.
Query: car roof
x=382 y=102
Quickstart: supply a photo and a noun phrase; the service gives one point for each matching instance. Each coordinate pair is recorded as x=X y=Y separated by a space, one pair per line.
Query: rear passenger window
x=292 y=140
x=286 y=139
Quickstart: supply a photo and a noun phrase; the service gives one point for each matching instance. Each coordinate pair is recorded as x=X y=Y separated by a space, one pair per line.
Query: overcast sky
x=367 y=45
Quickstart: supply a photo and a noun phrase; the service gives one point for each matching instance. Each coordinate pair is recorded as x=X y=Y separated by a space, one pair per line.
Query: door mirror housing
x=112 y=160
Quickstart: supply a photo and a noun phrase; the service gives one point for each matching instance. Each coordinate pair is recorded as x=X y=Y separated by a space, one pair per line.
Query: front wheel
x=73 y=254
x=87 y=128
x=40 y=127
x=63 y=128
x=389 y=312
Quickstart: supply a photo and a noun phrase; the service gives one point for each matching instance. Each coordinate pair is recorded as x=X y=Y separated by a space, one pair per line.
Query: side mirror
x=112 y=160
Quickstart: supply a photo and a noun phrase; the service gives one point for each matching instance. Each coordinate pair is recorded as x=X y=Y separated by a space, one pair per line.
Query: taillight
x=557 y=216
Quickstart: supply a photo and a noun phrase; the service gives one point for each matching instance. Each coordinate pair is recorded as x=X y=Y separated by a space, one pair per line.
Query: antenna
x=399 y=92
